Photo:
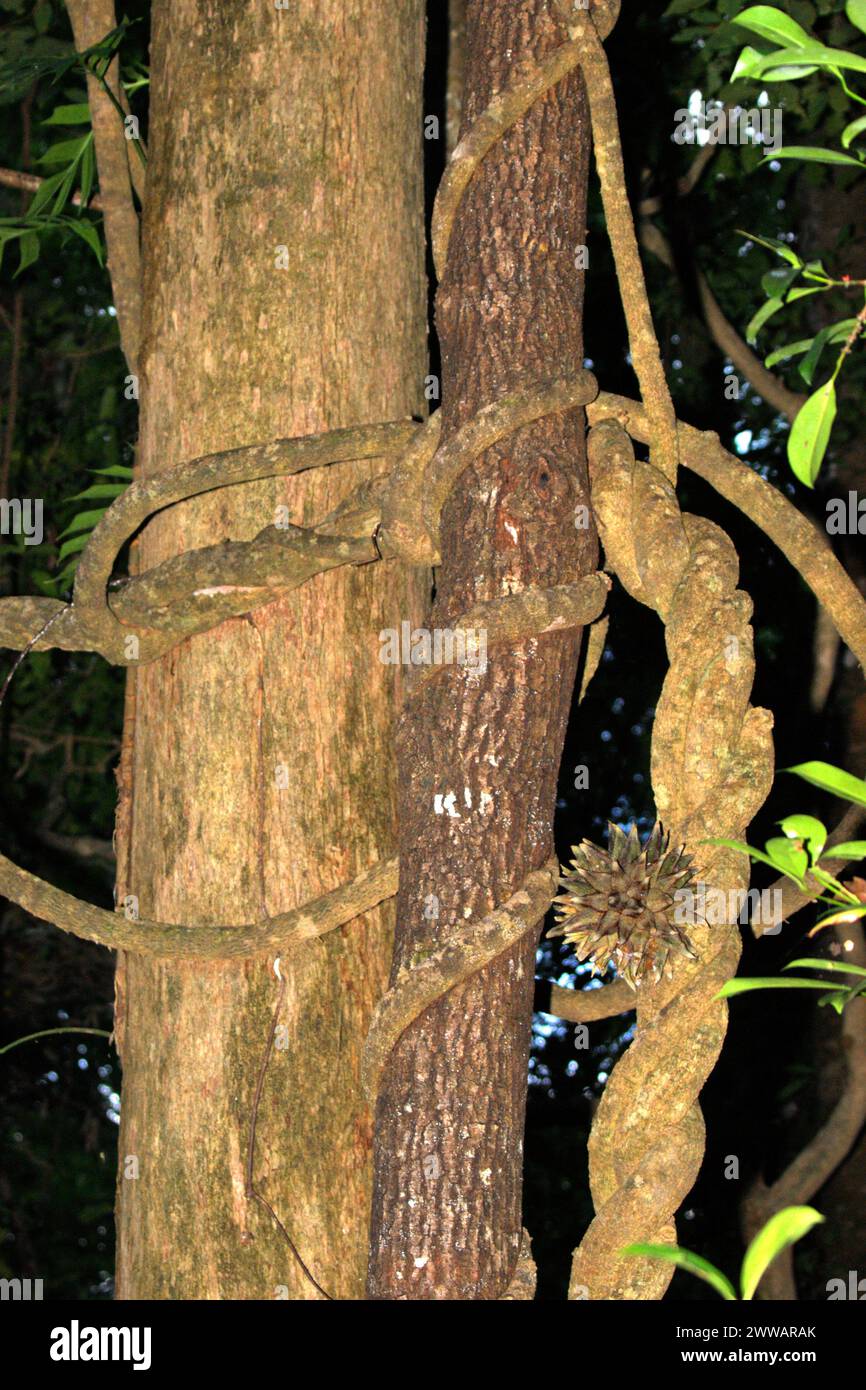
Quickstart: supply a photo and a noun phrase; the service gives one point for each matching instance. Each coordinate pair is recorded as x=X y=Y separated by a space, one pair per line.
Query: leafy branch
x=782 y=1230
x=801 y=851
x=75 y=179
x=800 y=56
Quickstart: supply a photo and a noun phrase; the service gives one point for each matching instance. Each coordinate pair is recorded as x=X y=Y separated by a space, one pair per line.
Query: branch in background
x=91 y=21
x=87 y=848
x=698 y=165
x=726 y=337
x=584 y=1005
x=28 y=183
x=825 y=648
x=723 y=333
x=648 y=207
x=33 y=746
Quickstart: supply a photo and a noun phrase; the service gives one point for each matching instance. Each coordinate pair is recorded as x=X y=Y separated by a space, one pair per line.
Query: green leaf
x=850 y=133
x=65 y=190
x=84 y=521
x=818 y=964
x=28 y=251
x=79 y=114
x=772 y=307
x=72 y=547
x=63 y=580
x=88 y=233
x=117 y=470
x=833 y=333
x=755 y=854
x=745 y=63
x=806 y=828
x=778 y=280
x=831 y=779
x=733 y=987
x=729 y=844
x=88 y=173
x=748 y=65
x=45 y=192
x=781 y=248
x=685 y=1259
x=773 y=24
x=678 y=7
x=757 y=321
x=785 y=857
x=810 y=433
x=856 y=12
x=813 y=268
x=66 y=150
x=97 y=490
x=772 y=66
x=693 y=31
x=790 y=350
x=802 y=292
x=826 y=880
x=781 y=1230
x=850 y=849
x=816 y=154
x=844 y=914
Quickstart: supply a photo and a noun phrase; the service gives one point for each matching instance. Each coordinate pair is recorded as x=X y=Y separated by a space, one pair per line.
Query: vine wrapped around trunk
x=712 y=767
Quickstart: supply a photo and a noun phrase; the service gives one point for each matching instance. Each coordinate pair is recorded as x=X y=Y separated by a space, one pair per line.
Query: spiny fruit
x=619 y=904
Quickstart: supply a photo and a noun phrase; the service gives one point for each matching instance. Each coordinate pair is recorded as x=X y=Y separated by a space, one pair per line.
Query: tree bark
x=449 y=1120
x=259 y=775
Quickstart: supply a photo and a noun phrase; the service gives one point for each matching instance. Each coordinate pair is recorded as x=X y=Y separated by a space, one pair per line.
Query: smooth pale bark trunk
x=449 y=1123
x=260 y=772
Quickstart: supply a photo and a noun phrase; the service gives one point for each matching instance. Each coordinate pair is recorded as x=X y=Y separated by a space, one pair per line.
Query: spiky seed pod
x=619 y=904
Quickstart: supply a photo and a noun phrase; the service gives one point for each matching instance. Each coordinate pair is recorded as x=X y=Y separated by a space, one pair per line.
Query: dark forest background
x=65 y=414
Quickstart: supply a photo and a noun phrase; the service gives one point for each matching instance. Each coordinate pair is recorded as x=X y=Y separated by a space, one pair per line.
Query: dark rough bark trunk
x=449 y=1122
x=260 y=775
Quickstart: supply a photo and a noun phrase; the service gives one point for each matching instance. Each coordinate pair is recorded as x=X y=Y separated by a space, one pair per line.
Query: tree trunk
x=260 y=768
x=449 y=1122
